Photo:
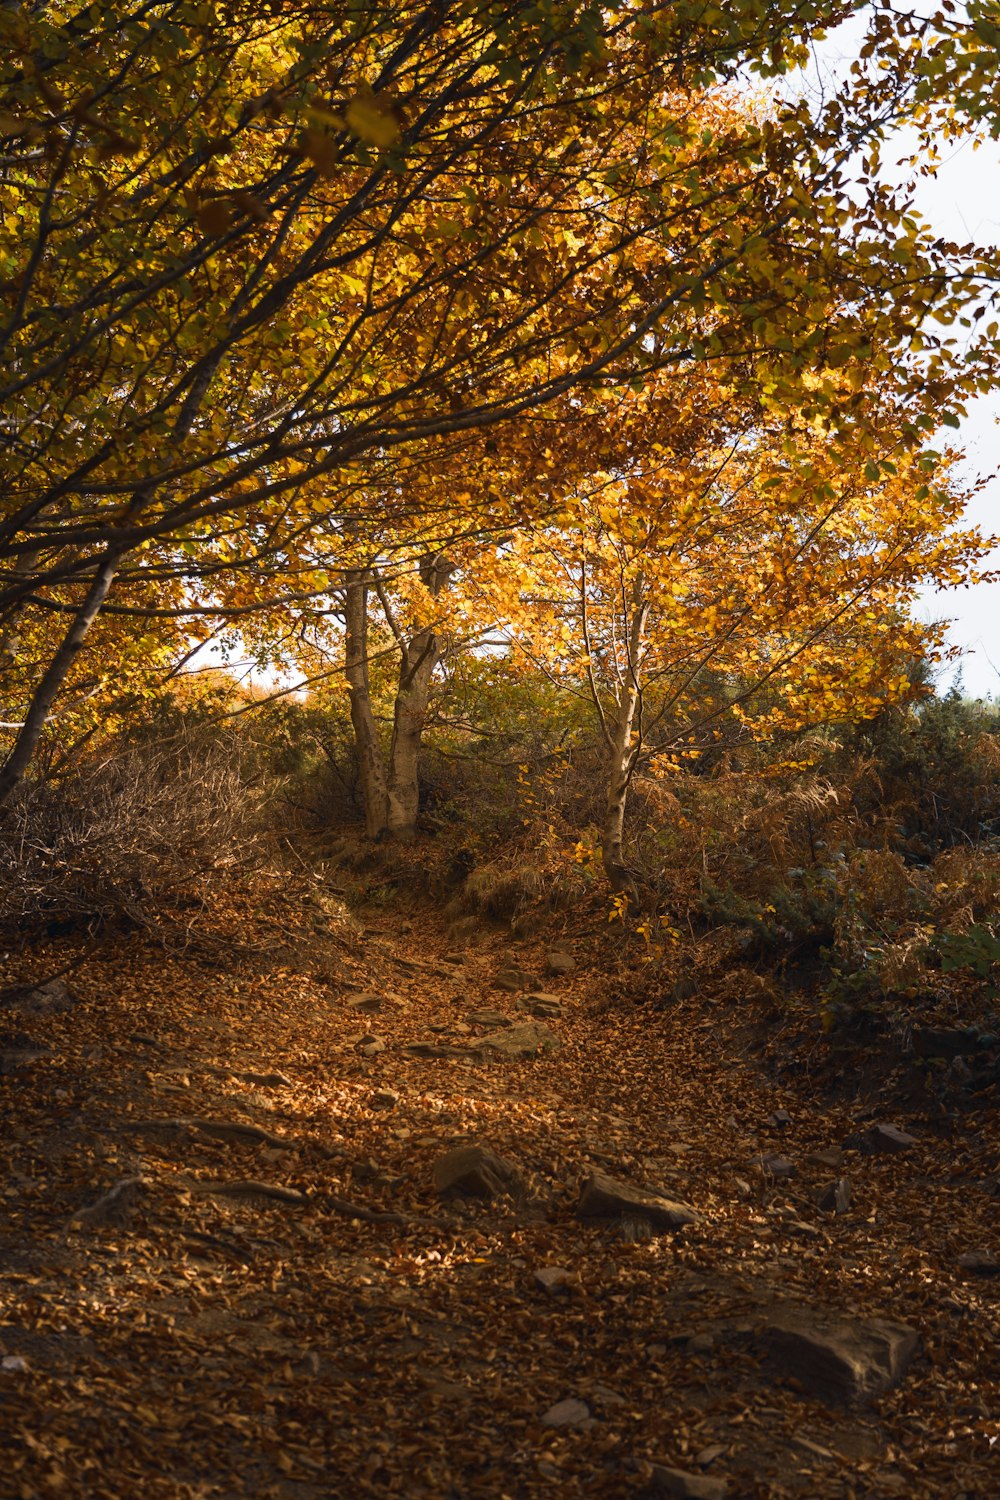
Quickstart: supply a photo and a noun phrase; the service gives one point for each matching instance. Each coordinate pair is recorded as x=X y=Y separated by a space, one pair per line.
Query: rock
x=605 y=1396
x=604 y=1197
x=476 y=1172
x=513 y=979
x=456 y=958
x=835 y=1198
x=47 y=999
x=837 y=1360
x=370 y=1046
x=684 y=1486
x=779 y=1119
x=384 y=1099
x=559 y=961
x=979 y=1263
x=365 y=1001
x=464 y=930
x=778 y=1167
x=541 y=1004
x=438 y=1049
x=568 y=1413
x=526 y=1040
x=833 y=1158
x=948 y=1041
x=554 y=1279
x=488 y=1016
x=114 y=1207
x=886 y=1140
x=16 y=1058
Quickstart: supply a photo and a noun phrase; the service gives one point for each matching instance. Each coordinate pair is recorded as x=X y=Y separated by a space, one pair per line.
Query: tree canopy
x=263 y=270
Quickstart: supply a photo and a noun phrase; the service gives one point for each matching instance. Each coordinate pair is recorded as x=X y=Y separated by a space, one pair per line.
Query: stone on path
x=832 y=1157
x=554 y=1279
x=265 y=1080
x=365 y=1001
x=487 y=1015
x=778 y=1167
x=15 y=1058
x=887 y=1140
x=513 y=979
x=476 y=1172
x=948 y=1041
x=559 y=961
x=50 y=998
x=835 y=1198
x=465 y=929
x=847 y=1362
x=113 y=1207
x=979 y=1262
x=684 y=1486
x=370 y=1046
x=568 y=1413
x=604 y=1197
x=541 y=1004
x=526 y=1040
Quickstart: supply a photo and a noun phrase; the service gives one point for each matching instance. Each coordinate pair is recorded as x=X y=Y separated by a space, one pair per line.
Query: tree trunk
x=612 y=843
x=420 y=658
x=371 y=762
x=622 y=755
x=40 y=707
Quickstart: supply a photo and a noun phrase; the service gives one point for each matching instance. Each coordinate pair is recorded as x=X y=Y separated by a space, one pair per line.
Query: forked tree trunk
x=420 y=657
x=371 y=763
x=390 y=787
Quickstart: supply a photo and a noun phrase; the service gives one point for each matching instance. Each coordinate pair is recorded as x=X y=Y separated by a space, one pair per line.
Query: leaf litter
x=265 y=1294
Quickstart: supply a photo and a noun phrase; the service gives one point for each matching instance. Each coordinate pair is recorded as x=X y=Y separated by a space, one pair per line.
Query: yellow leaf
x=372 y=118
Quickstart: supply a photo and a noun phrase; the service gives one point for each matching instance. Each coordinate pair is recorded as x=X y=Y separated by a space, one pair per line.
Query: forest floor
x=226 y=1268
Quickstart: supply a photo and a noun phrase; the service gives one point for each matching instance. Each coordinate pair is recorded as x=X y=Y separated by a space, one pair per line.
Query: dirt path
x=194 y=1336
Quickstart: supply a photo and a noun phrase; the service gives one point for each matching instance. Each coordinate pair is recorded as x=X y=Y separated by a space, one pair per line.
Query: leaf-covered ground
x=340 y=1329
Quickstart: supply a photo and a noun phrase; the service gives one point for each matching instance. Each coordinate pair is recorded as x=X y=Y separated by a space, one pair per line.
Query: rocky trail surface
x=368 y=1206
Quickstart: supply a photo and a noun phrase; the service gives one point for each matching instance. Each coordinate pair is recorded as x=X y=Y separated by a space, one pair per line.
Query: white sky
x=961 y=202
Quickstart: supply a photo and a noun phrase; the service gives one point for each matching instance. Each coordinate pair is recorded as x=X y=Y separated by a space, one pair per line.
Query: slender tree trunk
x=420 y=658
x=616 y=799
x=622 y=755
x=371 y=762
x=45 y=694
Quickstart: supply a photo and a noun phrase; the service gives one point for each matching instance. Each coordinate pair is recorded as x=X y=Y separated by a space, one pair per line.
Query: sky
x=961 y=202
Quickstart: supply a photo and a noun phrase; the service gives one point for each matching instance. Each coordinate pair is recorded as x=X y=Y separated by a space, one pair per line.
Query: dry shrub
x=965 y=886
x=127 y=831
x=525 y=882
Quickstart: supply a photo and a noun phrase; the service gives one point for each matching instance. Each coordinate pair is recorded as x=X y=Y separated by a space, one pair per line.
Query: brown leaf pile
x=225 y=1270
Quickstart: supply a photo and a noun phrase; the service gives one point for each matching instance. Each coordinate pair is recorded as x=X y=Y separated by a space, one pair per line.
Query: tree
x=247 y=250
x=727 y=560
